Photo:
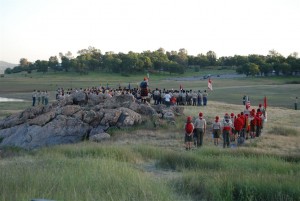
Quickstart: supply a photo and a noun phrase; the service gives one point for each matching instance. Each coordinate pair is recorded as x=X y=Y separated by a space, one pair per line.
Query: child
x=189 y=129
x=216 y=126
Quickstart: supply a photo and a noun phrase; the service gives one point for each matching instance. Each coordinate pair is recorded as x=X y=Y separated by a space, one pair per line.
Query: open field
x=148 y=163
x=229 y=90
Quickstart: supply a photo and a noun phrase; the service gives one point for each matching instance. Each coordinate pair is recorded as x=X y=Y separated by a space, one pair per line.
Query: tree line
x=91 y=59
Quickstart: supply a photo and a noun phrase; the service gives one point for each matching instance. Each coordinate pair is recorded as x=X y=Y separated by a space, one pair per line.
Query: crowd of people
x=234 y=129
x=40 y=97
x=141 y=93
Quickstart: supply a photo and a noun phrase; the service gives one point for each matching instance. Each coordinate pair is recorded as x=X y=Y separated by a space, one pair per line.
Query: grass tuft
x=284 y=131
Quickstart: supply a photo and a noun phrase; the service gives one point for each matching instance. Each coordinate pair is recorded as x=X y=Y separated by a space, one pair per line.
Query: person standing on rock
x=33 y=97
x=46 y=97
x=144 y=89
x=200 y=129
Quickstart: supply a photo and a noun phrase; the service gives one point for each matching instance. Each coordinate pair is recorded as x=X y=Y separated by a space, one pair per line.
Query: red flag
x=265 y=102
x=209 y=84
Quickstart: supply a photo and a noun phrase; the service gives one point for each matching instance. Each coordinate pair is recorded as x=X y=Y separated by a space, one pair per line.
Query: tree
x=53 y=63
x=253 y=69
x=65 y=60
x=294 y=62
x=42 y=66
x=24 y=62
x=212 y=57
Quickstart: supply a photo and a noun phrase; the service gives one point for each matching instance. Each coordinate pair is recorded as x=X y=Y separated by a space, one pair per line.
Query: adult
x=46 y=97
x=226 y=125
x=199 y=98
x=33 y=97
x=43 y=97
x=204 y=96
x=144 y=90
x=200 y=129
x=168 y=99
x=39 y=97
x=156 y=96
x=296 y=103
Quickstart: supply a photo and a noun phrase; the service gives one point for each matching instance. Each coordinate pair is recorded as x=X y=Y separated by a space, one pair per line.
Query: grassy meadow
x=150 y=163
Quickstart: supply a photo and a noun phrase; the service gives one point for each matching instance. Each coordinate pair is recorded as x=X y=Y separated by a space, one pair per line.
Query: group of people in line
x=141 y=93
x=235 y=129
x=40 y=97
x=172 y=97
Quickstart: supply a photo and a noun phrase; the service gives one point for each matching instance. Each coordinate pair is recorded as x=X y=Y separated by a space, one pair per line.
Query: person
x=199 y=98
x=39 y=97
x=156 y=95
x=238 y=128
x=244 y=99
x=46 y=97
x=233 y=133
x=296 y=103
x=168 y=99
x=252 y=119
x=204 y=96
x=33 y=97
x=258 y=124
x=200 y=129
x=226 y=125
x=43 y=97
x=216 y=127
x=144 y=89
x=189 y=129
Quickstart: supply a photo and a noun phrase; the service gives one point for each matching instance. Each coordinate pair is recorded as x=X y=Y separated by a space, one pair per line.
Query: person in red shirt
x=258 y=124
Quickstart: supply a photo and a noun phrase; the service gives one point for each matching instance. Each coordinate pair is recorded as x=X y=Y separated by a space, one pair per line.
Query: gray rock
x=79 y=98
x=99 y=137
x=62 y=130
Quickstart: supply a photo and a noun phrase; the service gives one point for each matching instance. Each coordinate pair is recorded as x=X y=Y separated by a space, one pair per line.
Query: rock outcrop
x=76 y=118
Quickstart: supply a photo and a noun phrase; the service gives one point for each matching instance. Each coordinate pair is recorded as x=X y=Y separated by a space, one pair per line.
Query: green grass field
x=147 y=163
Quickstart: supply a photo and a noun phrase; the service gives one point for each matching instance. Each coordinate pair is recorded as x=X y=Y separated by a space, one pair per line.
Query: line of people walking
x=235 y=129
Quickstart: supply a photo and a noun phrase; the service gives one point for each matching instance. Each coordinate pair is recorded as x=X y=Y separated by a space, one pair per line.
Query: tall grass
x=284 y=131
x=90 y=171
x=212 y=174
x=83 y=174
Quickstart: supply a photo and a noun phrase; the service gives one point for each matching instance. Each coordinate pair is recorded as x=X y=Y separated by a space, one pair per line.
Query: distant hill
x=4 y=65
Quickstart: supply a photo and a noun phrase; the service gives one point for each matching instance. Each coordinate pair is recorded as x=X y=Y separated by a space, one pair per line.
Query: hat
x=217 y=117
x=200 y=114
x=189 y=119
x=259 y=105
x=232 y=114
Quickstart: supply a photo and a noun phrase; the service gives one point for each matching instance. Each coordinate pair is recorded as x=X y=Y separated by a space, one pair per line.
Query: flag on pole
x=265 y=103
x=209 y=84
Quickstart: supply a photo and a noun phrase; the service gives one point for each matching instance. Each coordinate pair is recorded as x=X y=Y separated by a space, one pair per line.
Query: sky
x=38 y=29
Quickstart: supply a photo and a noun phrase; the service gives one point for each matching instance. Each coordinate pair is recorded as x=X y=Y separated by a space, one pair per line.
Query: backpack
x=143 y=84
x=189 y=128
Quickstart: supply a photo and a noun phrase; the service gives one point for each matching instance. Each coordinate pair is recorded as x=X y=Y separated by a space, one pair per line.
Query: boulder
x=119 y=101
x=78 y=117
x=62 y=130
x=79 y=98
